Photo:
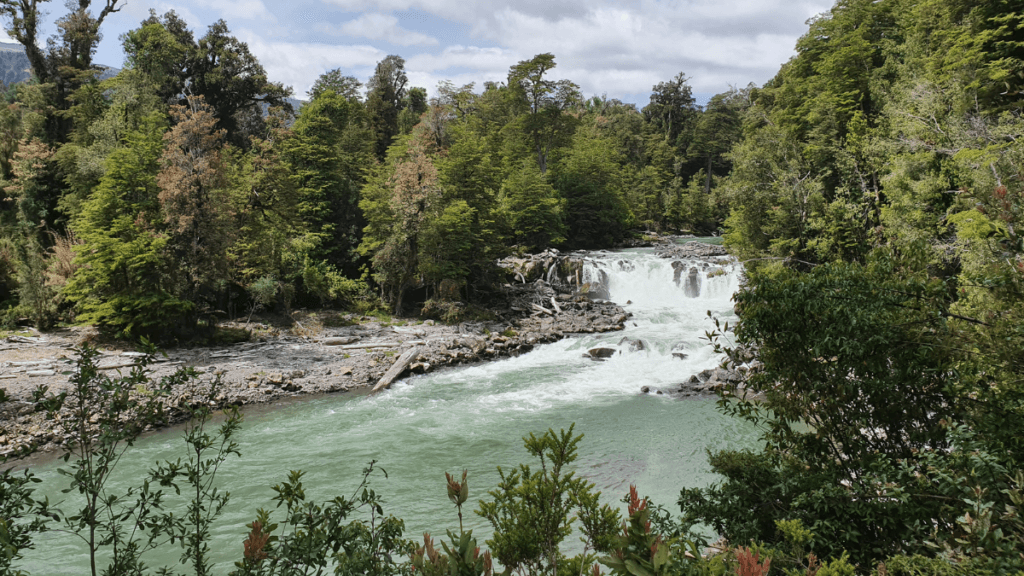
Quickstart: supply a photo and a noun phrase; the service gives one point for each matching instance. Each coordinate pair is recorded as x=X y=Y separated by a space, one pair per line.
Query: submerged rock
x=634 y=344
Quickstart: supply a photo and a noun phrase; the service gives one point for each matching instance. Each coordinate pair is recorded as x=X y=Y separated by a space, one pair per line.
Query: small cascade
x=648 y=281
x=692 y=285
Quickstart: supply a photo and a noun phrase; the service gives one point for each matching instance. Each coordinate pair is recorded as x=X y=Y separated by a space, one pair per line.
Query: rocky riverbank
x=308 y=358
x=548 y=296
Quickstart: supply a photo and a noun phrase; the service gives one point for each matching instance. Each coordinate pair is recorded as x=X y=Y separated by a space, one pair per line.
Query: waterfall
x=648 y=281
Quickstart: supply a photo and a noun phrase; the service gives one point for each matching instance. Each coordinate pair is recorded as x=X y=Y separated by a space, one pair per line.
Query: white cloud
x=471 y=57
x=232 y=10
x=613 y=47
x=376 y=26
x=299 y=64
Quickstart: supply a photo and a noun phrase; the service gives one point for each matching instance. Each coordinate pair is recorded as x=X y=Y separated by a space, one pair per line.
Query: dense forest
x=187 y=188
x=873 y=188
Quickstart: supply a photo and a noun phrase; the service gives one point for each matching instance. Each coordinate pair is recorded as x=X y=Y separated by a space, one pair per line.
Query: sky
x=616 y=48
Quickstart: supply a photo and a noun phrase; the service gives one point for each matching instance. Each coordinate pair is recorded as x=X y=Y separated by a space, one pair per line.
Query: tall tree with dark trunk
x=545 y=101
x=385 y=93
x=218 y=67
x=717 y=128
x=66 y=62
x=672 y=107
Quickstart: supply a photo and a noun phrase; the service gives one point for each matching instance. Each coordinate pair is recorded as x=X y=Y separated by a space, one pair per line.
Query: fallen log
x=379 y=345
x=542 y=309
x=396 y=369
x=339 y=340
x=556 y=306
x=116 y=366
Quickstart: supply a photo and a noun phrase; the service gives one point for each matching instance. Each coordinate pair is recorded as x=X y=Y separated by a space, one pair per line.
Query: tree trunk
x=707 y=181
x=396 y=369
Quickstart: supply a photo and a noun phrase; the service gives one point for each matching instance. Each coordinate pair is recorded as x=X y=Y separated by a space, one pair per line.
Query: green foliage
x=326 y=283
x=327 y=177
x=533 y=511
x=206 y=453
x=262 y=293
x=384 y=94
x=543 y=103
x=122 y=283
x=532 y=209
x=21 y=517
x=588 y=179
x=461 y=557
x=107 y=417
x=313 y=537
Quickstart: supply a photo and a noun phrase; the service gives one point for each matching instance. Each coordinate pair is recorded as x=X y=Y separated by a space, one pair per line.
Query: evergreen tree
x=531 y=209
x=323 y=174
x=543 y=104
x=588 y=178
x=124 y=282
x=385 y=92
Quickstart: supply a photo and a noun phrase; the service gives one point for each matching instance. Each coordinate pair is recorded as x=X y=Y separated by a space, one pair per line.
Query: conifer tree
x=124 y=282
x=532 y=210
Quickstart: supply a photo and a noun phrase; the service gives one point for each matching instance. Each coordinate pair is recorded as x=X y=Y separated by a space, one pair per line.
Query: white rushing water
x=474 y=417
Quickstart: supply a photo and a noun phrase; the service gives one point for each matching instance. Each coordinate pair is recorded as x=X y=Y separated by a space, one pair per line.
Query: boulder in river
x=600 y=353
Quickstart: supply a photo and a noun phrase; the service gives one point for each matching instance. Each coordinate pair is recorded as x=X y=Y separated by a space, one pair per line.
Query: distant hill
x=14 y=65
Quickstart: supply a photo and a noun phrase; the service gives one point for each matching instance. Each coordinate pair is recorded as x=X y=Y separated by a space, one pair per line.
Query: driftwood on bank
x=542 y=309
x=555 y=304
x=366 y=346
x=396 y=369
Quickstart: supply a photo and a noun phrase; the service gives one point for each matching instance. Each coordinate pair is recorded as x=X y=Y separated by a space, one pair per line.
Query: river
x=474 y=418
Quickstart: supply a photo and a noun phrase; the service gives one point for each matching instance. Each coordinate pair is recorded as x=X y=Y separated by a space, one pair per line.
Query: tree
x=396 y=202
x=345 y=86
x=267 y=207
x=532 y=210
x=157 y=53
x=718 y=126
x=545 y=103
x=327 y=179
x=588 y=179
x=672 y=107
x=881 y=423
x=124 y=281
x=385 y=93
x=414 y=106
x=192 y=201
x=217 y=67
x=66 y=63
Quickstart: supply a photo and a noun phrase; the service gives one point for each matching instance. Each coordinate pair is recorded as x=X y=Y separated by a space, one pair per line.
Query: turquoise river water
x=474 y=418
